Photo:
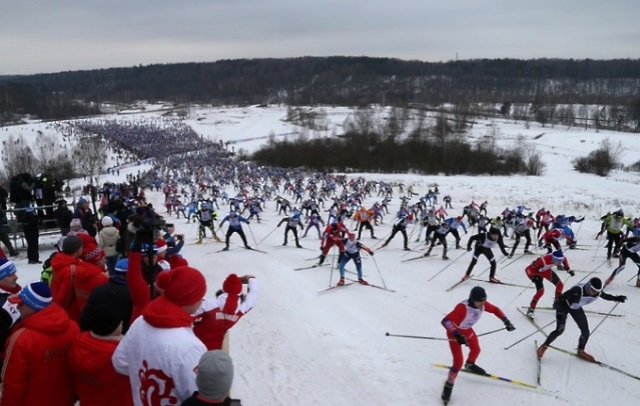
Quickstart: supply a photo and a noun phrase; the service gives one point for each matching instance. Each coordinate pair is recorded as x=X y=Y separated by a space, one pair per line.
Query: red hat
x=182 y=286
x=232 y=285
x=90 y=250
x=161 y=245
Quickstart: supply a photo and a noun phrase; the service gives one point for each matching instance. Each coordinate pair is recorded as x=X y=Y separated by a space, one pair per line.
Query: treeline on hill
x=372 y=152
x=345 y=81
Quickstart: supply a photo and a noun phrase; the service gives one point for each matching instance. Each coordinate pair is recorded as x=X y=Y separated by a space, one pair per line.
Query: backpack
x=47 y=270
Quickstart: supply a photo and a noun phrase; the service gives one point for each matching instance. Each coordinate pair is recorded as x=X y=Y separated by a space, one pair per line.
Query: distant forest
x=344 y=81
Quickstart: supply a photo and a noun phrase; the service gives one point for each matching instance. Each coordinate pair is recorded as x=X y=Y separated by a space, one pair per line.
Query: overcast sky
x=59 y=35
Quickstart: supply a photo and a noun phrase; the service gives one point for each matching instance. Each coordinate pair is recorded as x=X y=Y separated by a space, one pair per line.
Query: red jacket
x=86 y=277
x=61 y=283
x=97 y=382
x=36 y=368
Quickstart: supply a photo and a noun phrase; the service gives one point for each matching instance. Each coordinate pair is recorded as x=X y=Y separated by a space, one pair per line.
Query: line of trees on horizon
x=344 y=81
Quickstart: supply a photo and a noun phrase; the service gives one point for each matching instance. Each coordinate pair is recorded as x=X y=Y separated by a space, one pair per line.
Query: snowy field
x=301 y=347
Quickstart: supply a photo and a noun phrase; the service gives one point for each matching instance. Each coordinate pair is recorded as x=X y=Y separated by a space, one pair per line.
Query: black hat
x=71 y=244
x=104 y=319
x=595 y=284
x=477 y=294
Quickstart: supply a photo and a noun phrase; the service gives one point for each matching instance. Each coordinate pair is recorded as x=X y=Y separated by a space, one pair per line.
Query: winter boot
x=541 y=350
x=446 y=391
x=362 y=281
x=341 y=281
x=586 y=356
x=471 y=367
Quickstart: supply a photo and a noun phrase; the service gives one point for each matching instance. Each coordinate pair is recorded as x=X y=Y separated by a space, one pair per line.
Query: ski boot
x=530 y=313
x=446 y=392
x=341 y=281
x=585 y=356
x=494 y=280
x=199 y=241
x=541 y=350
x=471 y=367
x=466 y=277
x=226 y=248
x=362 y=281
x=444 y=256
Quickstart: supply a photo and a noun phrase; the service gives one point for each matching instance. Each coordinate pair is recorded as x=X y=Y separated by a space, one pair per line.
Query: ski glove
x=508 y=325
x=462 y=340
x=621 y=299
x=571 y=272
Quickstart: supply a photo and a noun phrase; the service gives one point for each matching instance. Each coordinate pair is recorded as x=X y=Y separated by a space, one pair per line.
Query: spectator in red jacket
x=96 y=381
x=216 y=316
x=36 y=368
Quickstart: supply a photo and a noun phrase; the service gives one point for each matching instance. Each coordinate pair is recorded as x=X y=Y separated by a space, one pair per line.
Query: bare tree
x=18 y=157
x=90 y=156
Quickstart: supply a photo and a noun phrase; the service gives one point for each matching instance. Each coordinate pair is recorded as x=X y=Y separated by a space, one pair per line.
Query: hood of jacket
x=91 y=354
x=161 y=313
x=61 y=260
x=52 y=320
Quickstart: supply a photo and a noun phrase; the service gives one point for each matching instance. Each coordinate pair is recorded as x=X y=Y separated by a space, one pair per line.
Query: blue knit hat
x=122 y=266
x=7 y=268
x=36 y=295
x=557 y=256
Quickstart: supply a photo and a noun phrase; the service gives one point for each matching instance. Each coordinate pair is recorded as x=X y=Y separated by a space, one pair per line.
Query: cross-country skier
x=332 y=235
x=571 y=302
x=485 y=242
x=542 y=268
x=235 y=226
x=459 y=325
x=293 y=223
x=400 y=226
x=352 y=249
x=630 y=248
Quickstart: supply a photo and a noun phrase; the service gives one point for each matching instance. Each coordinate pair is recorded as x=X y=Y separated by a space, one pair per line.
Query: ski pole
x=538 y=330
x=450 y=263
x=333 y=263
x=439 y=338
x=382 y=239
x=253 y=237
x=379 y=273
x=605 y=317
x=265 y=237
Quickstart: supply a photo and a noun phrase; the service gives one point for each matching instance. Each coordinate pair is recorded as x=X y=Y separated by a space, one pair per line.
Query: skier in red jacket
x=459 y=325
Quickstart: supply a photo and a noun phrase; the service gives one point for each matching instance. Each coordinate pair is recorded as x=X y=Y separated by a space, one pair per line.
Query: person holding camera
x=216 y=316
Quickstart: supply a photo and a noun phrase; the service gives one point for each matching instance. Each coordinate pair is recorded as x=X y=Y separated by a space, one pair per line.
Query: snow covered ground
x=301 y=347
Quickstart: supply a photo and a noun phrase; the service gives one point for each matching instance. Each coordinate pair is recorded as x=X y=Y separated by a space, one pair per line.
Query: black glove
x=621 y=299
x=462 y=340
x=571 y=272
x=508 y=325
